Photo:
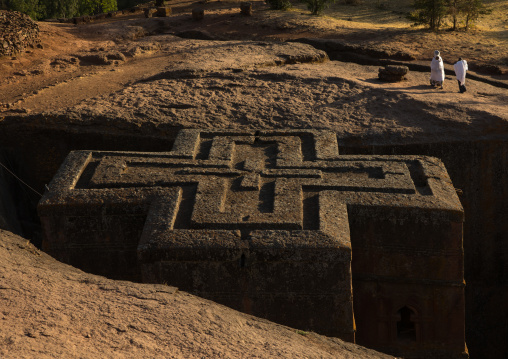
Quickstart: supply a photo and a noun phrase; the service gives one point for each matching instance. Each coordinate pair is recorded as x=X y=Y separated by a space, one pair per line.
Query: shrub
x=41 y=9
x=32 y=8
x=454 y=9
x=472 y=9
x=432 y=12
x=316 y=6
x=428 y=12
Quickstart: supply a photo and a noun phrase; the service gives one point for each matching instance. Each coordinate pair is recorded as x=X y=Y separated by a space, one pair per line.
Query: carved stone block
x=266 y=222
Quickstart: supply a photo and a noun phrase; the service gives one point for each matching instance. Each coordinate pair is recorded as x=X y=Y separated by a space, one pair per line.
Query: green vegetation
x=428 y=12
x=472 y=10
x=53 y=9
x=316 y=6
x=432 y=12
x=92 y=7
x=32 y=8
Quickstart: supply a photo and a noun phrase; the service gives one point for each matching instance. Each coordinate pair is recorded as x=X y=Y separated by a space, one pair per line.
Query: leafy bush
x=316 y=6
x=93 y=7
x=44 y=9
x=33 y=8
x=472 y=10
x=432 y=12
x=428 y=12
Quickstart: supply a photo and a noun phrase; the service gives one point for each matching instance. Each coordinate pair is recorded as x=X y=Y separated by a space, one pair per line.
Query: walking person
x=437 y=74
x=460 y=68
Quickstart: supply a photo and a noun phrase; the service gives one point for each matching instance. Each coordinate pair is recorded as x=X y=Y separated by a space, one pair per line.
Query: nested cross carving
x=248 y=180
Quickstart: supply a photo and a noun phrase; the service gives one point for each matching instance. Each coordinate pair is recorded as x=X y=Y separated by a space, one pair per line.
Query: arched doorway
x=406 y=325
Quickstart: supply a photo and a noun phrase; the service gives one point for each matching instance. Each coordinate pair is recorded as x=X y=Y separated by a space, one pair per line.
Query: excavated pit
x=478 y=169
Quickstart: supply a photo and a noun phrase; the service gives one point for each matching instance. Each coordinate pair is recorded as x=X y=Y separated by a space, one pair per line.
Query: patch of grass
x=383 y=13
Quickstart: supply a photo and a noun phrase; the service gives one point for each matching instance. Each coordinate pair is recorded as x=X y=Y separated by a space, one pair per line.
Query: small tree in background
x=454 y=8
x=472 y=9
x=93 y=7
x=61 y=8
x=316 y=6
x=429 y=13
x=32 y=8
x=43 y=9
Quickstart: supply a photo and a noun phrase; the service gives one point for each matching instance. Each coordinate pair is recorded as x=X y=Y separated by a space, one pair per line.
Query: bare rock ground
x=52 y=310
x=345 y=98
x=150 y=83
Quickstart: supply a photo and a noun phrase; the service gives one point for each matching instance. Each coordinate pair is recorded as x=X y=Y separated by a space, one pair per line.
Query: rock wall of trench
x=480 y=171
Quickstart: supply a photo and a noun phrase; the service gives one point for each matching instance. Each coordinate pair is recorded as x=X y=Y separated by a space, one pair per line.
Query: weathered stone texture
x=17 y=32
x=265 y=221
x=392 y=73
x=480 y=170
x=246 y=8
x=163 y=11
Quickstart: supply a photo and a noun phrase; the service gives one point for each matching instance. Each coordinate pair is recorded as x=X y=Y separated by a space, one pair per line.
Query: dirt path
x=99 y=81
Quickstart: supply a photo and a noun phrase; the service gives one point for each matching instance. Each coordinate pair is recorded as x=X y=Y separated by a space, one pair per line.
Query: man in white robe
x=437 y=74
x=460 y=68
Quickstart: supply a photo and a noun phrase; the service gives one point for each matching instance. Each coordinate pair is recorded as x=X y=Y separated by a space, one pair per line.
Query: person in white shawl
x=460 y=68
x=437 y=74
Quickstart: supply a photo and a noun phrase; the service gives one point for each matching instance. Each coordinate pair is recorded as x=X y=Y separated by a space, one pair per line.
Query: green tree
x=32 y=8
x=43 y=9
x=429 y=13
x=316 y=6
x=93 y=7
x=61 y=8
x=472 y=10
x=454 y=8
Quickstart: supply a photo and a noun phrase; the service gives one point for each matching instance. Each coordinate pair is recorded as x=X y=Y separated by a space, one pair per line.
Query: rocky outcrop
x=51 y=310
x=17 y=32
x=392 y=73
x=102 y=58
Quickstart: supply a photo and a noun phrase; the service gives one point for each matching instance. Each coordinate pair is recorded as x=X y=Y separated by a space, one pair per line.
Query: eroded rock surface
x=51 y=310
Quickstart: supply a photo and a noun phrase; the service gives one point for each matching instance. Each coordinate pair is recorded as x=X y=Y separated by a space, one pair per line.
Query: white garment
x=437 y=70
x=460 y=68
